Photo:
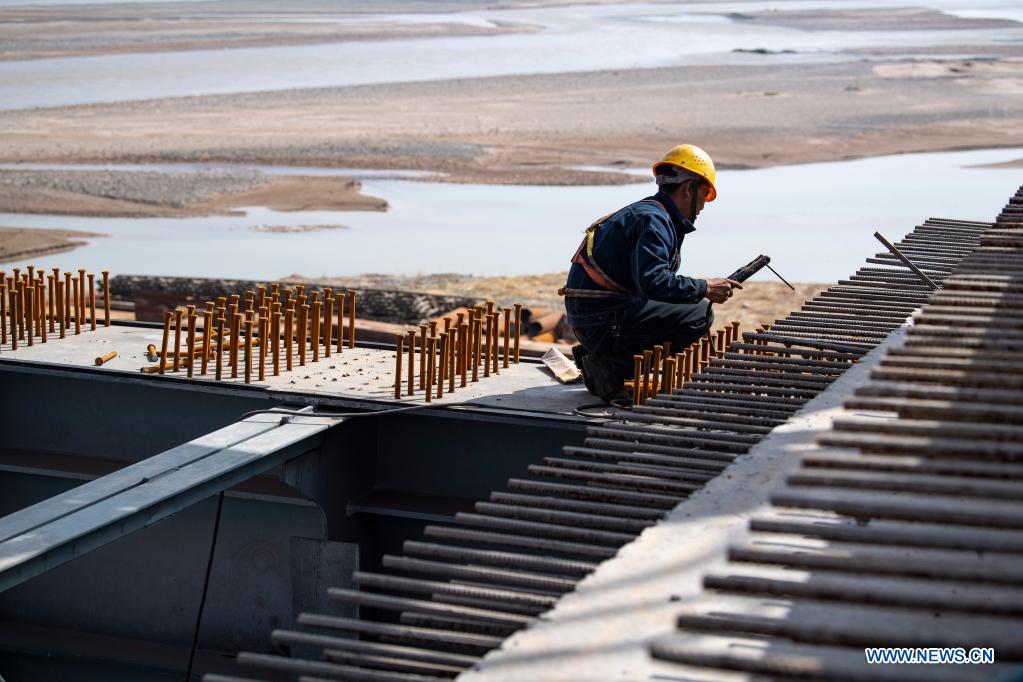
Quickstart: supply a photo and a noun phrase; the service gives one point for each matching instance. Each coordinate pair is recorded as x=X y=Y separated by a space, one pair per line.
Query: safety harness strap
x=592 y=269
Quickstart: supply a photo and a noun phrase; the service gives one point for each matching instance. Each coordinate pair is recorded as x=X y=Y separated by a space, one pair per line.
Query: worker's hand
x=719 y=289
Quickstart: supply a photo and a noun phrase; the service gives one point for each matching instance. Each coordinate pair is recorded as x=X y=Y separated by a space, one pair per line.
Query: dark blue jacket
x=640 y=248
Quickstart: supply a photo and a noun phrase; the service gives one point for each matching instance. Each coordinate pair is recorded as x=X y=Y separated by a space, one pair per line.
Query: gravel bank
x=177 y=190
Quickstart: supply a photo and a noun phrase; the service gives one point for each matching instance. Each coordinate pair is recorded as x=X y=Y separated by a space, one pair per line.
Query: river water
x=573 y=38
x=816 y=221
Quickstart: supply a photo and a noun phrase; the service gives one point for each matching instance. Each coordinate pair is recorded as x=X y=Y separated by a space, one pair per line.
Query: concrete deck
x=601 y=631
x=366 y=373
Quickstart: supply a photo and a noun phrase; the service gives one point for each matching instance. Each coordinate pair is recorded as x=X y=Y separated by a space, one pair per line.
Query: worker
x=624 y=294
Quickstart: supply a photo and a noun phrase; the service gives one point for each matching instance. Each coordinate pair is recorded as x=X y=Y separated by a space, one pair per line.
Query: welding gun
x=750 y=269
x=743 y=274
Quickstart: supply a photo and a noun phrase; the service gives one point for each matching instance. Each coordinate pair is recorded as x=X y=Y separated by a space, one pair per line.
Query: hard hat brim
x=712 y=193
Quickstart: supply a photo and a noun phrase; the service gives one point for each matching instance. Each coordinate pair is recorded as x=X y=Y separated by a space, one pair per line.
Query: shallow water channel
x=567 y=39
x=815 y=220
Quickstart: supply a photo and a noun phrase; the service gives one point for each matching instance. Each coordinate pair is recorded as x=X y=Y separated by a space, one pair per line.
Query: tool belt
x=584 y=257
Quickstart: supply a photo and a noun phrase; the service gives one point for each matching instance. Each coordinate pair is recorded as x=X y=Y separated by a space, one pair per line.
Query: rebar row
x=495 y=569
x=906 y=528
x=39 y=306
x=472 y=344
x=270 y=330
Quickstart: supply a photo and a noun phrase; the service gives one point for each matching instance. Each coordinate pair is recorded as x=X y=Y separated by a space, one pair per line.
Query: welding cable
x=289 y=414
x=610 y=409
x=205 y=586
x=220 y=506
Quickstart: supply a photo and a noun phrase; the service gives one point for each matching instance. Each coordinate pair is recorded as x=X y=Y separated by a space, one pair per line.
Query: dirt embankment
x=19 y=243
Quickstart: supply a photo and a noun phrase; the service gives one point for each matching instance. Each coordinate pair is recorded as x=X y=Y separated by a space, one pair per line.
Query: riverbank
x=18 y=243
x=533 y=130
x=941 y=83
x=141 y=194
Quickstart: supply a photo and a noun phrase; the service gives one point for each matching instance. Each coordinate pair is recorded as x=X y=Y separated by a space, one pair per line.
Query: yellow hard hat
x=693 y=159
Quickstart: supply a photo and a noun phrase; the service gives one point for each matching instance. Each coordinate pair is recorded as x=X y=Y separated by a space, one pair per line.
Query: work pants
x=643 y=325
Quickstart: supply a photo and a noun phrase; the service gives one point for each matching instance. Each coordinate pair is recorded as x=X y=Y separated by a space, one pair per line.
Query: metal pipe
x=496 y=317
x=655 y=370
x=235 y=322
x=586 y=492
x=422 y=355
x=351 y=317
x=463 y=353
x=68 y=299
x=77 y=303
x=248 y=351
x=303 y=321
x=289 y=315
x=189 y=363
x=220 y=347
x=53 y=296
x=399 y=352
x=340 y=299
x=262 y=344
x=443 y=361
x=13 y=295
x=452 y=369
x=314 y=337
x=411 y=361
x=486 y=347
x=328 y=321
x=41 y=296
x=102 y=359
x=80 y=311
x=92 y=302
x=507 y=335
x=207 y=328
x=167 y=316
x=29 y=307
x=275 y=338
x=518 y=329
x=178 y=313
x=647 y=356
x=637 y=385
x=50 y=312
x=3 y=309
x=431 y=344
x=476 y=336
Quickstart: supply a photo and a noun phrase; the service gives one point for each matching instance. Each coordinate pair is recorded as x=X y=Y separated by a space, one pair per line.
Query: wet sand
x=537 y=129
x=17 y=243
x=48 y=32
x=117 y=194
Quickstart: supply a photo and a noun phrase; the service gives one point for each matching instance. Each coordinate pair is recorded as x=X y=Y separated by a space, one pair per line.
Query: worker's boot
x=578 y=353
x=603 y=381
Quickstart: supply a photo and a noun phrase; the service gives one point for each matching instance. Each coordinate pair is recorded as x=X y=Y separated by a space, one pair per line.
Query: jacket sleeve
x=651 y=265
